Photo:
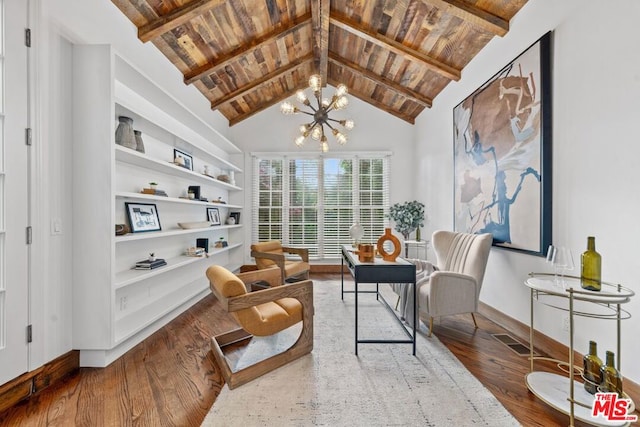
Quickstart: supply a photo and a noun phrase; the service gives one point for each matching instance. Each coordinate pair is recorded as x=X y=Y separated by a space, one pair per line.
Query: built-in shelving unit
x=116 y=305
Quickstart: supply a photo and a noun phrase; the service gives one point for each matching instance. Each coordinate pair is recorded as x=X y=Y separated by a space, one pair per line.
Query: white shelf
x=131 y=100
x=552 y=389
x=129 y=277
x=131 y=195
x=175 y=232
x=132 y=157
x=145 y=316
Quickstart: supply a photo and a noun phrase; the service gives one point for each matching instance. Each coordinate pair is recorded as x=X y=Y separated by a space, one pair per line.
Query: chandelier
x=316 y=128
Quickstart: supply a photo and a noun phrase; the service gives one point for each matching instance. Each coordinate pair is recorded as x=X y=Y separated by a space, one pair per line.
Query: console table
x=379 y=271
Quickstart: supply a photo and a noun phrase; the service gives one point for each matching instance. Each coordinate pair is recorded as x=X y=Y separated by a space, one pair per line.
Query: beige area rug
x=385 y=385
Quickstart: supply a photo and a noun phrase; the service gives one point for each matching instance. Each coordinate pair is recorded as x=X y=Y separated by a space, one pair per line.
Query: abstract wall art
x=502 y=154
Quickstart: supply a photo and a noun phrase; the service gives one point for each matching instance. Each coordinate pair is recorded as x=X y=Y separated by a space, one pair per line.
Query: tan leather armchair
x=272 y=253
x=261 y=313
x=455 y=287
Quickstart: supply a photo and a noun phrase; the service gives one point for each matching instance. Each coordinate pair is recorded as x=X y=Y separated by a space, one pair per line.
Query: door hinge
x=29 y=235
x=27 y=37
x=29 y=333
x=27 y=136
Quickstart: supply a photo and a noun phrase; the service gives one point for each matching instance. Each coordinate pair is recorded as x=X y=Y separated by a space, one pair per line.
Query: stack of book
x=154 y=192
x=150 y=265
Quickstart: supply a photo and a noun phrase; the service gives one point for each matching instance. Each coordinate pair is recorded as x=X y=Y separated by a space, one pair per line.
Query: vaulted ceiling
x=246 y=55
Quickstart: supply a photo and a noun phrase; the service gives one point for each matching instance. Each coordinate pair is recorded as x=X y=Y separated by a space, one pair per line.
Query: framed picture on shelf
x=236 y=216
x=143 y=217
x=213 y=216
x=182 y=159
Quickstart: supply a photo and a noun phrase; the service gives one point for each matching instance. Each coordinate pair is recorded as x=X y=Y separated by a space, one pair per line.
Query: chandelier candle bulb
x=320 y=114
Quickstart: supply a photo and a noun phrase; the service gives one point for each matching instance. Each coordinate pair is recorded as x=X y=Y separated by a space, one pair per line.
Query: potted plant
x=408 y=216
x=153 y=185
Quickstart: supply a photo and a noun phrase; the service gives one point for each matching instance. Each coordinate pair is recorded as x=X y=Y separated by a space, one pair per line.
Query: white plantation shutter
x=302 y=219
x=311 y=201
x=337 y=204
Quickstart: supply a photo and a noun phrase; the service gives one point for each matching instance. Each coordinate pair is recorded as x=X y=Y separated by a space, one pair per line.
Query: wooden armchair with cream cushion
x=270 y=253
x=261 y=313
x=454 y=288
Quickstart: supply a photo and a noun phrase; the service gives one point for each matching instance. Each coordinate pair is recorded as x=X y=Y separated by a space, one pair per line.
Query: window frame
x=320 y=249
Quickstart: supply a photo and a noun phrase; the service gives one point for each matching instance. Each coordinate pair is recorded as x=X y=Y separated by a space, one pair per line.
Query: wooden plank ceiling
x=246 y=55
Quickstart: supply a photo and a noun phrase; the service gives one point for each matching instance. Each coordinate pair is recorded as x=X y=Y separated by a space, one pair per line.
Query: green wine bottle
x=590 y=275
x=611 y=378
x=592 y=365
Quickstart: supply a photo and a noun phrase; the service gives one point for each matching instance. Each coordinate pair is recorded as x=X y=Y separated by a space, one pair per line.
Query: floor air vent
x=516 y=346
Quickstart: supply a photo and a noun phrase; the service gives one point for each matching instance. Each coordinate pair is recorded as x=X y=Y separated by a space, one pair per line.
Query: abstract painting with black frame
x=186 y=159
x=502 y=154
x=143 y=217
x=213 y=216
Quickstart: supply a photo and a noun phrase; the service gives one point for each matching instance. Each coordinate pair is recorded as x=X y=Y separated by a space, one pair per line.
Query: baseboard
x=543 y=343
x=32 y=382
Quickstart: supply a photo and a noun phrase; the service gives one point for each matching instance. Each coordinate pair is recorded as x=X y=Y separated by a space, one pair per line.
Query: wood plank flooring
x=171 y=379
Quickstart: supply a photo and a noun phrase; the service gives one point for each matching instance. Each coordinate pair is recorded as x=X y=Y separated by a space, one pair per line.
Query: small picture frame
x=213 y=216
x=182 y=159
x=143 y=217
x=236 y=216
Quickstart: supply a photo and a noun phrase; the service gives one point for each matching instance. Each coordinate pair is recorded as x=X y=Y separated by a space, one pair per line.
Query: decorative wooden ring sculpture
x=387 y=236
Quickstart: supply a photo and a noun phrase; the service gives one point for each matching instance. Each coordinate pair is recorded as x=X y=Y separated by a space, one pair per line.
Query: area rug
x=385 y=385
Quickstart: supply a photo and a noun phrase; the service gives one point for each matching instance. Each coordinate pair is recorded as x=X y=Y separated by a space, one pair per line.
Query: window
x=312 y=201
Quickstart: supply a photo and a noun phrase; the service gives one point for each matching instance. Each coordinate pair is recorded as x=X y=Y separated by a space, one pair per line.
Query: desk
x=379 y=271
x=418 y=244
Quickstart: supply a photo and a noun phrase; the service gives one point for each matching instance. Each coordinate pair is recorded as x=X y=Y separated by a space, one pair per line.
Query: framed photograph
x=143 y=217
x=182 y=159
x=213 y=216
x=502 y=154
x=236 y=216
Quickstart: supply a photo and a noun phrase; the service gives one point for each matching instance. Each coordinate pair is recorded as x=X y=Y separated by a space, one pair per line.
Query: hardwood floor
x=171 y=378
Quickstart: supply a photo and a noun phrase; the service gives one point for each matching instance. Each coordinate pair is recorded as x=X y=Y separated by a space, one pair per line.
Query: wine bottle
x=590 y=275
x=611 y=379
x=592 y=365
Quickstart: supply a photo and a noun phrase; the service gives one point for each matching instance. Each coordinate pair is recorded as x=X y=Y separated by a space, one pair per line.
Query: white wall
x=596 y=87
x=375 y=130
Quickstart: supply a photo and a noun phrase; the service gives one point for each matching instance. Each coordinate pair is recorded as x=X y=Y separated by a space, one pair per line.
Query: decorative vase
x=592 y=365
x=418 y=236
x=139 y=143
x=365 y=253
x=356 y=231
x=591 y=267
x=124 y=133
x=232 y=177
x=388 y=237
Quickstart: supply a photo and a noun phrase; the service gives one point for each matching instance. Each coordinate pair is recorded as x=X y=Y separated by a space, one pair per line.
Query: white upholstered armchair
x=455 y=287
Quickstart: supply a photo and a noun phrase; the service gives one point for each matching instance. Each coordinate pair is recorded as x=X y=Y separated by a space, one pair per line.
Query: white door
x=14 y=185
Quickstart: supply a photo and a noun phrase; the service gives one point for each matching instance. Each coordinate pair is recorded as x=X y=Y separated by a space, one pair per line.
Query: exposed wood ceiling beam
x=320 y=26
x=412 y=95
x=255 y=109
x=355 y=28
x=263 y=81
x=249 y=47
x=175 y=18
x=366 y=98
x=469 y=13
